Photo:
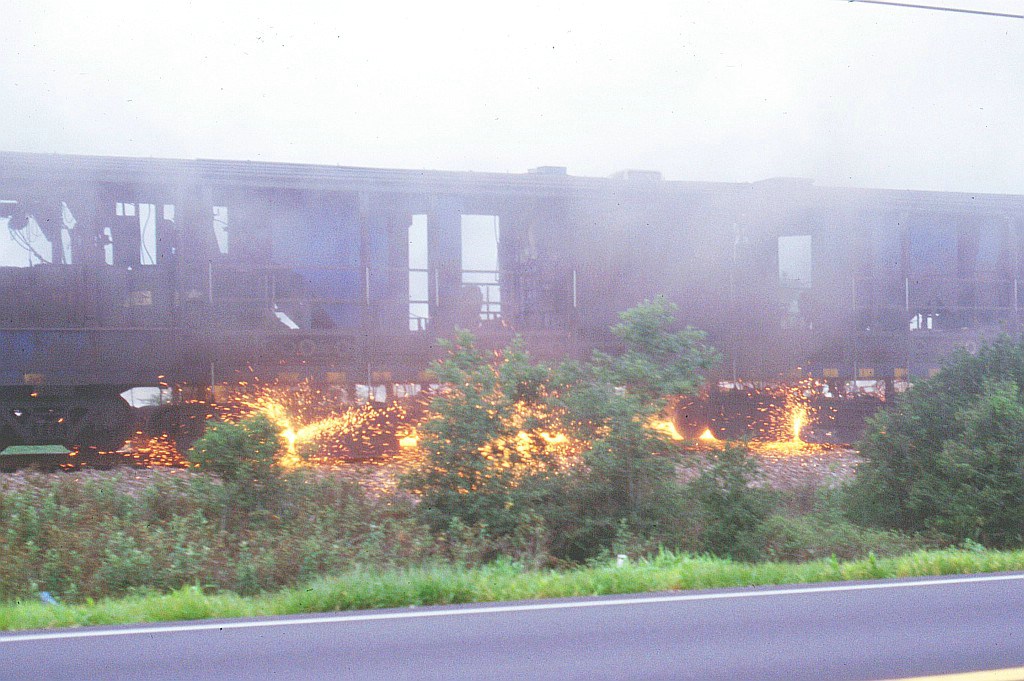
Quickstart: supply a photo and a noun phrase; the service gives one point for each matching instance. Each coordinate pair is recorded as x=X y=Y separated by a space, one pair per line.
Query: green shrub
x=981 y=476
x=659 y=361
x=948 y=457
x=474 y=474
x=56 y=534
x=244 y=455
x=732 y=502
x=628 y=486
x=125 y=565
x=238 y=451
x=472 y=480
x=811 y=537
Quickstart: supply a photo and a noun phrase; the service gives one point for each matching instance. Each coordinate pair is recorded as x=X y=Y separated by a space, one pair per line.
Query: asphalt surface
x=869 y=630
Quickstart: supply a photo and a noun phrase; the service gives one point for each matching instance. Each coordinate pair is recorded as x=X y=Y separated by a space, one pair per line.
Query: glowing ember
x=554 y=439
x=790 y=413
x=319 y=427
x=151 y=452
x=537 y=445
x=798 y=416
x=787 y=413
x=532 y=442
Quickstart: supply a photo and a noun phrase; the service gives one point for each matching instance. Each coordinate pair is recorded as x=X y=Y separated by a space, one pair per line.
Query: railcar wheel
x=106 y=423
x=691 y=417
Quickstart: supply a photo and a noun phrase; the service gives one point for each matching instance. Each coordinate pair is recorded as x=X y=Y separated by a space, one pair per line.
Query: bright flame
x=799 y=414
x=708 y=436
x=290 y=458
x=556 y=439
x=787 y=412
x=318 y=427
x=665 y=427
x=790 y=412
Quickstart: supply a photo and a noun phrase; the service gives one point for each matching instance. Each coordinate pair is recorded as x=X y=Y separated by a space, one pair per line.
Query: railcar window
x=480 y=237
x=419 y=274
x=67 y=223
x=24 y=244
x=108 y=246
x=932 y=247
x=220 y=228
x=147 y=234
x=795 y=262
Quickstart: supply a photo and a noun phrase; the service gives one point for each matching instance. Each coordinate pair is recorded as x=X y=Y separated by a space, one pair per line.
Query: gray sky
x=733 y=90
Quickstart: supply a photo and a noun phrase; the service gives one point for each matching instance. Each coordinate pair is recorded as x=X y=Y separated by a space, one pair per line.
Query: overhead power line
x=937 y=8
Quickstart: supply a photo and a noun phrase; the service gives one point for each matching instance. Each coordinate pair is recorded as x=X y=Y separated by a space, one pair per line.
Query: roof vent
x=549 y=170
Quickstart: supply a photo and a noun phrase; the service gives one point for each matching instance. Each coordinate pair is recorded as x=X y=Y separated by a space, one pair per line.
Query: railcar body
x=122 y=272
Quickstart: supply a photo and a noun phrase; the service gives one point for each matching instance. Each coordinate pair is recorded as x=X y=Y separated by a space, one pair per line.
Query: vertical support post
x=444 y=256
x=87 y=206
x=365 y=341
x=575 y=302
x=906 y=293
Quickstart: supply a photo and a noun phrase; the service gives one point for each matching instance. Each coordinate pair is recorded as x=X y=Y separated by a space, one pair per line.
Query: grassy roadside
x=443 y=585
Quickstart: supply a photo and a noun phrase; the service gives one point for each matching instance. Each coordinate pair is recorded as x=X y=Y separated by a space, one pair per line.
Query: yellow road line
x=1014 y=674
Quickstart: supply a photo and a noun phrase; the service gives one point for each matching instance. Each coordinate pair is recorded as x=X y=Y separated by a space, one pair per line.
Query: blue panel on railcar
x=58 y=356
x=316 y=232
x=336 y=293
x=84 y=357
x=317 y=238
x=17 y=349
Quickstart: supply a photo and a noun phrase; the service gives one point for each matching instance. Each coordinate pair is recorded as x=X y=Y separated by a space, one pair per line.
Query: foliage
x=243 y=455
x=816 y=536
x=948 y=457
x=733 y=503
x=658 y=362
x=629 y=482
x=477 y=474
x=80 y=537
x=242 y=451
x=493 y=488
x=361 y=588
x=478 y=471
x=982 y=475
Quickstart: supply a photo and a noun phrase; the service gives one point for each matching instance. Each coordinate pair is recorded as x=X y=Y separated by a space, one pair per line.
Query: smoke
x=843 y=93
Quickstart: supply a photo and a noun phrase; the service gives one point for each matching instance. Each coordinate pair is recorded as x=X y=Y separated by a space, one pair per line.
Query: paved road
x=871 y=630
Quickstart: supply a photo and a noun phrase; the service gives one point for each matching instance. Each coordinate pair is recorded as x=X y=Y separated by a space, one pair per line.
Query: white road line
x=493 y=609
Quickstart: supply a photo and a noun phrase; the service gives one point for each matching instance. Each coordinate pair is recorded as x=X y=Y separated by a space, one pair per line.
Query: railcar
x=193 y=274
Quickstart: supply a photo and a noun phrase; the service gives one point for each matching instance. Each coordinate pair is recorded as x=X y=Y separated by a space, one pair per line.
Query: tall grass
x=501 y=581
x=81 y=537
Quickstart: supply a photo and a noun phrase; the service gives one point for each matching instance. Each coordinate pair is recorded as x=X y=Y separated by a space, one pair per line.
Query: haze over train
x=843 y=93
